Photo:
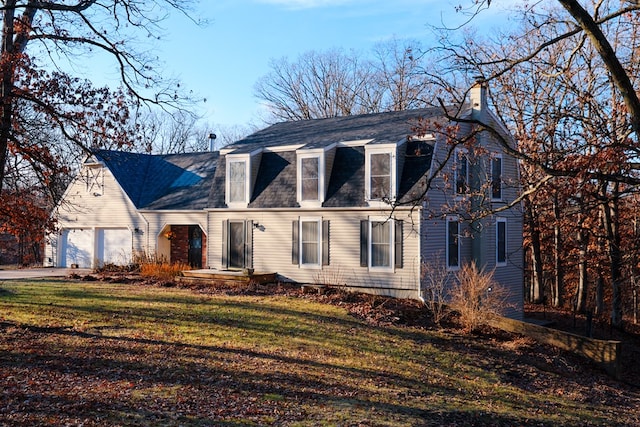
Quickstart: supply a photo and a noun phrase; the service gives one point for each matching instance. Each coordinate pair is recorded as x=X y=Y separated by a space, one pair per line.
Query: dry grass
x=163 y=270
x=114 y=354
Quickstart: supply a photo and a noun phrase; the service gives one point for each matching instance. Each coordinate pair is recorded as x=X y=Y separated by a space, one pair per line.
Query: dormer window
x=309 y=178
x=380 y=173
x=237 y=181
x=311 y=175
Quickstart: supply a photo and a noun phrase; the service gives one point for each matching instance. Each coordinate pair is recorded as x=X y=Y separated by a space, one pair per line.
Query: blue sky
x=222 y=60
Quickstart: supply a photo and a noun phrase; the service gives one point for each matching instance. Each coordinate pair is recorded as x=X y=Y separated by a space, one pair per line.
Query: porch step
x=226 y=277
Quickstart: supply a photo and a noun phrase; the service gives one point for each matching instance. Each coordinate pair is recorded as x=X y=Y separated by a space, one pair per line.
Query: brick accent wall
x=180 y=244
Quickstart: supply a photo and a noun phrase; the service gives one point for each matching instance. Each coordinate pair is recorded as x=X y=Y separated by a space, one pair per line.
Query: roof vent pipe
x=212 y=142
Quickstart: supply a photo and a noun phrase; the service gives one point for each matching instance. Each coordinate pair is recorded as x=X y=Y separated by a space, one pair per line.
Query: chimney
x=212 y=141
x=478 y=97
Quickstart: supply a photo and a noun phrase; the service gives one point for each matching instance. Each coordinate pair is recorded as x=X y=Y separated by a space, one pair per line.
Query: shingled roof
x=388 y=127
x=160 y=182
x=275 y=185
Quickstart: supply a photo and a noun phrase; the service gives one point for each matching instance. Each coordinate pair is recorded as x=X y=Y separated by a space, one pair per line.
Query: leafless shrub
x=476 y=296
x=330 y=276
x=435 y=282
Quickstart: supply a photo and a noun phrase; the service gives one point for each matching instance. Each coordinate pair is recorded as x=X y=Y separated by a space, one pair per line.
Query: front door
x=236 y=244
x=195 y=246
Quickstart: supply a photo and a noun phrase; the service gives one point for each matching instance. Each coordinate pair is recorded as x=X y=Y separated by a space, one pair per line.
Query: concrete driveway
x=33 y=273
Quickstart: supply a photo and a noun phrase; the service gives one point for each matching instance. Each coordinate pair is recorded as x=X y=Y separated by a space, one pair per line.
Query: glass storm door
x=236 y=244
x=195 y=246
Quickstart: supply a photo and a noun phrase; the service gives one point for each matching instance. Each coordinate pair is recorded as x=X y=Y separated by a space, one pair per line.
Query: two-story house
x=365 y=202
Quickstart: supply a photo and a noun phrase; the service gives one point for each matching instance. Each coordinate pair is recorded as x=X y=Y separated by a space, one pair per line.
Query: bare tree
x=38 y=37
x=564 y=82
x=333 y=83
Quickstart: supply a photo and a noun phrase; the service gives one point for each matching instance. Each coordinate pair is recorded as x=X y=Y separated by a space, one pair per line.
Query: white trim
x=321 y=178
x=354 y=143
x=247 y=181
x=389 y=222
x=314 y=266
x=504 y=221
x=389 y=149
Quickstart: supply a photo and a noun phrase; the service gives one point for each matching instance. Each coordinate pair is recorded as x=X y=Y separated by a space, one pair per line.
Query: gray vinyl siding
x=441 y=201
x=272 y=244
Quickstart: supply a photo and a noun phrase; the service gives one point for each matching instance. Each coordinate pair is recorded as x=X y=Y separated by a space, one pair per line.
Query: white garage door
x=77 y=247
x=114 y=246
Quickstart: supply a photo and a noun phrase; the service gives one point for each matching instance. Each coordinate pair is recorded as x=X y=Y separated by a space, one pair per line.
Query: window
x=309 y=177
x=496 y=177
x=380 y=173
x=461 y=172
x=501 y=241
x=310 y=242
x=94 y=180
x=237 y=181
x=381 y=243
x=453 y=242
x=380 y=176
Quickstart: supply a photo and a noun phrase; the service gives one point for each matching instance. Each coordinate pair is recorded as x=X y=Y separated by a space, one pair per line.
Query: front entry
x=237 y=244
x=195 y=246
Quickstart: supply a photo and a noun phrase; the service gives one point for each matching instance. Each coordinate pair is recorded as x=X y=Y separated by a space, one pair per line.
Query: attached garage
x=77 y=247
x=113 y=246
x=104 y=245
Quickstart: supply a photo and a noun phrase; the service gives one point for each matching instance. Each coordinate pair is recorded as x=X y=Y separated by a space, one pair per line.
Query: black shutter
x=364 y=243
x=399 y=241
x=225 y=244
x=248 y=244
x=295 y=245
x=325 y=242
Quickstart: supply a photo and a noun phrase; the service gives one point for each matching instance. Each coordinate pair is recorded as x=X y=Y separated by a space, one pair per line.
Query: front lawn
x=95 y=353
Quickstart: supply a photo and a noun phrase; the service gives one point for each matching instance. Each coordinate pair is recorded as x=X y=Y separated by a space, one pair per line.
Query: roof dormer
x=240 y=177
x=383 y=166
x=313 y=169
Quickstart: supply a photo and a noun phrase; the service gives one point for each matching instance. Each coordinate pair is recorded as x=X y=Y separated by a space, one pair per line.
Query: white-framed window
x=501 y=241
x=310 y=171
x=461 y=177
x=380 y=173
x=496 y=177
x=310 y=242
x=237 y=182
x=310 y=178
x=381 y=241
x=453 y=242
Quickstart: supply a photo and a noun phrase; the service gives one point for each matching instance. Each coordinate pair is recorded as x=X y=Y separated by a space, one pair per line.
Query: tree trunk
x=537 y=289
x=581 y=294
x=6 y=84
x=615 y=255
x=558 y=281
x=600 y=295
